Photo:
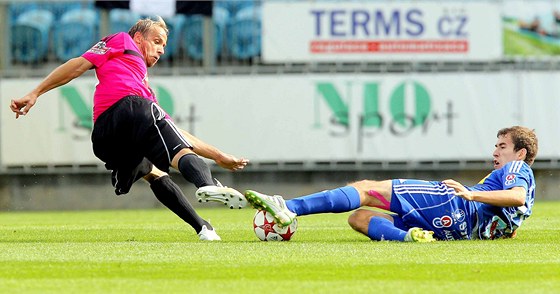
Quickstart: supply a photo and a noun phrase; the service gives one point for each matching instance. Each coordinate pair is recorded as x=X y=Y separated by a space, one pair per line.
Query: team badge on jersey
x=99 y=48
x=510 y=179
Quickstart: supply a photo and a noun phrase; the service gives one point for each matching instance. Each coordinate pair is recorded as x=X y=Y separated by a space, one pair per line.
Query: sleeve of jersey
x=516 y=174
x=109 y=47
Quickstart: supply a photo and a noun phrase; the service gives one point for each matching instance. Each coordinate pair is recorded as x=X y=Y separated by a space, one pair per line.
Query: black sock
x=195 y=170
x=170 y=195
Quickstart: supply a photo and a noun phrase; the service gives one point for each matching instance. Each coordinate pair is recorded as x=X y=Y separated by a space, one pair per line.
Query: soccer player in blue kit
x=425 y=211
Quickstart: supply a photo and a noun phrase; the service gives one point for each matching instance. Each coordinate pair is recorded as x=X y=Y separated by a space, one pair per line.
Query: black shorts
x=133 y=134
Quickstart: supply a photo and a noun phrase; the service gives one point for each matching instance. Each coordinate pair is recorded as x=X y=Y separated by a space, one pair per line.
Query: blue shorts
x=433 y=206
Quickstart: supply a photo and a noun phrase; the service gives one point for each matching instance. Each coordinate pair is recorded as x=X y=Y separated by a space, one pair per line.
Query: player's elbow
x=518 y=198
x=79 y=66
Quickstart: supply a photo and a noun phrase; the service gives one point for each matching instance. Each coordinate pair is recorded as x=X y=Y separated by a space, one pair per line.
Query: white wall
x=287 y=118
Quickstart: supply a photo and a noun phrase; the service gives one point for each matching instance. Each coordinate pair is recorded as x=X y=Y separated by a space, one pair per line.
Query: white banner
x=388 y=31
x=362 y=117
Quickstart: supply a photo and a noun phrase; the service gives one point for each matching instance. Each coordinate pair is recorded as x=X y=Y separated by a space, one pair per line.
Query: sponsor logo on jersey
x=464 y=230
x=99 y=48
x=448 y=235
x=443 y=222
x=510 y=179
x=458 y=215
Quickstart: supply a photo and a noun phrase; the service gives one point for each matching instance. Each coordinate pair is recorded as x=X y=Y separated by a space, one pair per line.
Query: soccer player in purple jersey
x=425 y=211
x=132 y=135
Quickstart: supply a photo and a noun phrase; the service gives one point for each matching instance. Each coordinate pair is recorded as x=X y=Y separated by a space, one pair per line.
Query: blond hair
x=143 y=26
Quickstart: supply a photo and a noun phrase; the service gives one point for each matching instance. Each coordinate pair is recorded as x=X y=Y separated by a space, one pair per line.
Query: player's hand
x=460 y=190
x=22 y=105
x=231 y=162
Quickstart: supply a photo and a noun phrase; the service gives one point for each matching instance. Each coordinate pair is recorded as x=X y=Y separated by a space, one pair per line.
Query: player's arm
x=224 y=160
x=61 y=75
x=513 y=197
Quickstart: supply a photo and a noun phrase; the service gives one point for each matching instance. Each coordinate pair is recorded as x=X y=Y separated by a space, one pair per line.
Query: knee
x=363 y=185
x=175 y=160
x=359 y=219
x=154 y=174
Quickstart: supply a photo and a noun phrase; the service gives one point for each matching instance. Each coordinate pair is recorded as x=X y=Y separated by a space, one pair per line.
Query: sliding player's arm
x=513 y=197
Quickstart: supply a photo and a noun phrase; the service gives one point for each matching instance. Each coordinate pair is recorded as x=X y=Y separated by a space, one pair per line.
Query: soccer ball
x=266 y=229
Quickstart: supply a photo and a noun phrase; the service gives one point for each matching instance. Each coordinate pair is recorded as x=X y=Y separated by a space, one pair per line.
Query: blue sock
x=380 y=228
x=337 y=200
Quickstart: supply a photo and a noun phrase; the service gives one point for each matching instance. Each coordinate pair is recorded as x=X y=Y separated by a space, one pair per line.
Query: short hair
x=523 y=137
x=143 y=26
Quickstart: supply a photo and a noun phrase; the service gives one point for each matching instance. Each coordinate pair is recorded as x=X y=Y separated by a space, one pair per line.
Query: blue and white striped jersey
x=496 y=222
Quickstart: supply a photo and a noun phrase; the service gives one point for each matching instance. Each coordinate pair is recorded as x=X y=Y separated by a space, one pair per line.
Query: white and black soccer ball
x=267 y=229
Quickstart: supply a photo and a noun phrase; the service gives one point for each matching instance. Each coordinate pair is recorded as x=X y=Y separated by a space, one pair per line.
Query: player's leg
x=170 y=195
x=374 y=193
x=337 y=200
x=381 y=226
x=169 y=148
x=196 y=171
x=341 y=199
x=192 y=168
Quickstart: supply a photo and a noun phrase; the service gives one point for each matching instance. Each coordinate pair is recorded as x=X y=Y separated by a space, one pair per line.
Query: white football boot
x=219 y=193
x=208 y=235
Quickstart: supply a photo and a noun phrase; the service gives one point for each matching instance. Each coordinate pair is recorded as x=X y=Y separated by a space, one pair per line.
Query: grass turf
x=152 y=251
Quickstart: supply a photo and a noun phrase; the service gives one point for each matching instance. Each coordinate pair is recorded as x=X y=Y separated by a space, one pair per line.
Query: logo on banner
x=386 y=31
x=407 y=108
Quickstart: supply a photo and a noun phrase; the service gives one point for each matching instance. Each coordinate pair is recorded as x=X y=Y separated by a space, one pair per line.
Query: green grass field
x=152 y=251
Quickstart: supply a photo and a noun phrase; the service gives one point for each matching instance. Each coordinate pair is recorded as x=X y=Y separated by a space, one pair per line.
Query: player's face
x=152 y=46
x=505 y=153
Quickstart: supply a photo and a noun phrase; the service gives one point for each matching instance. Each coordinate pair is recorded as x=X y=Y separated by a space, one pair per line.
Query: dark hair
x=143 y=26
x=523 y=137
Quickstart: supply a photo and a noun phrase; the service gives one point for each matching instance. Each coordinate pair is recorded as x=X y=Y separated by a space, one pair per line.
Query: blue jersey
x=496 y=222
x=434 y=206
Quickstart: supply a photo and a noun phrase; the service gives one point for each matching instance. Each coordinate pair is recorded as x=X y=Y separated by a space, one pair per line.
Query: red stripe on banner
x=424 y=46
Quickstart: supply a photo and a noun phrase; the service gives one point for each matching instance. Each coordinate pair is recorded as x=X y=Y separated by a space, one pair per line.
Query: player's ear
x=522 y=154
x=137 y=37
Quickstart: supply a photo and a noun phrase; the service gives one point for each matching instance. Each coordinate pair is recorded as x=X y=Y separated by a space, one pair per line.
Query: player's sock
x=195 y=170
x=170 y=195
x=380 y=229
x=336 y=200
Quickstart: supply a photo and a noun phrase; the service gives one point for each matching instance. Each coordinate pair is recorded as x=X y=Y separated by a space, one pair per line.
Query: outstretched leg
x=336 y=200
